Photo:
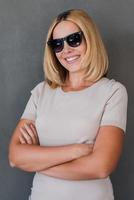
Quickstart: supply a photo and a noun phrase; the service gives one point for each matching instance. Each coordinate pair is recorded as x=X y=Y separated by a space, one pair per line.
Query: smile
x=72 y=59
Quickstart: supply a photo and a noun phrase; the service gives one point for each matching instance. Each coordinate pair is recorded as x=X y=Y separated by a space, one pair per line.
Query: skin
x=100 y=163
x=72 y=162
x=26 y=153
x=75 y=80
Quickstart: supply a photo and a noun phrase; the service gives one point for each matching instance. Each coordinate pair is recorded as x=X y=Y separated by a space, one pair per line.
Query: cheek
x=59 y=57
x=83 y=47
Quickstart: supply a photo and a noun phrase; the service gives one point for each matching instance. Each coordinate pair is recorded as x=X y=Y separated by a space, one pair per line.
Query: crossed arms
x=71 y=162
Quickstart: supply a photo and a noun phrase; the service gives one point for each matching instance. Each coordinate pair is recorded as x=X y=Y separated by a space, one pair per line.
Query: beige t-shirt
x=75 y=117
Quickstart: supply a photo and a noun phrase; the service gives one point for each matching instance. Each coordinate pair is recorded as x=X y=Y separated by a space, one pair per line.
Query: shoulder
x=112 y=86
x=37 y=90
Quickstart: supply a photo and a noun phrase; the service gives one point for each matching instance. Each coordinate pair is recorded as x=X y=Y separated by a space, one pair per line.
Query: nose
x=67 y=48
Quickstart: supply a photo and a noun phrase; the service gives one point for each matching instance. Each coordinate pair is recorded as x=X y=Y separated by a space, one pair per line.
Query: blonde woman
x=72 y=130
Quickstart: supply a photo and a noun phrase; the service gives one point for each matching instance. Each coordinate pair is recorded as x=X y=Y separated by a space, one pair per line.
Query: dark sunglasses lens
x=57 y=45
x=74 y=40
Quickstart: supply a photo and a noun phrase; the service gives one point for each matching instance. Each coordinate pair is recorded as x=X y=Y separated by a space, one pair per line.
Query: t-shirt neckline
x=83 y=90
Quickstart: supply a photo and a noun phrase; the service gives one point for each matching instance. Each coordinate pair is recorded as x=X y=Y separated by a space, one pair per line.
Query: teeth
x=72 y=58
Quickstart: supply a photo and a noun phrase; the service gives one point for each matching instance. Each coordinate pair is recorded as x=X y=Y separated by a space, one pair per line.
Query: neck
x=77 y=80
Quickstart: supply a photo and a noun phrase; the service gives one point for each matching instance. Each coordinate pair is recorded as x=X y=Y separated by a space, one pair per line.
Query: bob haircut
x=95 y=60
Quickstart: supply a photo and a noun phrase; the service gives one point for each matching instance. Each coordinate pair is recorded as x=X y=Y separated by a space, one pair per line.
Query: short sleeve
x=115 y=110
x=30 y=111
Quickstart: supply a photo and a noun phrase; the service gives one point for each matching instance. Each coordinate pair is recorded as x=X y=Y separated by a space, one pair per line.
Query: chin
x=73 y=68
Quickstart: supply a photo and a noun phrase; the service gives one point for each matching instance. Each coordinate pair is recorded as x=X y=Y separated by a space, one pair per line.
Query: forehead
x=64 y=28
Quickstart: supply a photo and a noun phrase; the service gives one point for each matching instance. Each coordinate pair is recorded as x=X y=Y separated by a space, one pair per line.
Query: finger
x=26 y=136
x=22 y=140
x=30 y=132
x=36 y=139
x=28 y=129
x=34 y=129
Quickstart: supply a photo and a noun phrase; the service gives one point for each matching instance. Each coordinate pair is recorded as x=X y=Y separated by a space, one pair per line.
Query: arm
x=99 y=164
x=35 y=158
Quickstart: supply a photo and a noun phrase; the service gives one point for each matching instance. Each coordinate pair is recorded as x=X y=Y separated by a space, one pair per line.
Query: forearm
x=99 y=164
x=36 y=158
x=84 y=168
x=70 y=171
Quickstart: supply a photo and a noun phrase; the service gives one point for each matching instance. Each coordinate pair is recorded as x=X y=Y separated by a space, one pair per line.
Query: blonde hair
x=95 y=60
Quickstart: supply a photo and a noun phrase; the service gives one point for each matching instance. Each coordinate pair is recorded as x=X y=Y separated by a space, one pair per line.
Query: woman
x=72 y=130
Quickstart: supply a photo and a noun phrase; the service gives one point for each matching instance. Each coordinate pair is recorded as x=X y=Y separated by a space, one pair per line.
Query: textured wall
x=23 y=28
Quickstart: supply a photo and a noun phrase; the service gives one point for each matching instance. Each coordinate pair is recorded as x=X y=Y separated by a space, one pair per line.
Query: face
x=69 y=57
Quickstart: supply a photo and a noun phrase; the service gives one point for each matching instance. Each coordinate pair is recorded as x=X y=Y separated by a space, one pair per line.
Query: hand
x=28 y=134
x=83 y=149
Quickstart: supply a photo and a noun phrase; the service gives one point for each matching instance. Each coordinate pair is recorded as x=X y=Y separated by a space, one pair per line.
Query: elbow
x=101 y=171
x=12 y=156
x=18 y=159
x=11 y=159
x=104 y=172
x=13 y=162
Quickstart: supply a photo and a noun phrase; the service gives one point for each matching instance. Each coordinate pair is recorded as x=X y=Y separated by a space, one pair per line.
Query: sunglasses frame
x=50 y=42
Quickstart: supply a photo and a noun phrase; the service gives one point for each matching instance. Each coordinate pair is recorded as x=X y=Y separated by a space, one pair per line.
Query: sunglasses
x=73 y=40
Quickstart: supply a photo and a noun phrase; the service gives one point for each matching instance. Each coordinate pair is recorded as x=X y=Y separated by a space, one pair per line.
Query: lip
x=71 y=59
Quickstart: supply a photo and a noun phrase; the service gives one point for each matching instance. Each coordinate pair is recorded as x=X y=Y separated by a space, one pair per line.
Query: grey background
x=23 y=28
